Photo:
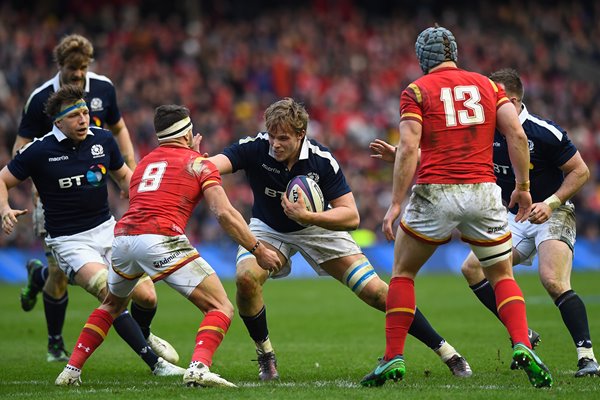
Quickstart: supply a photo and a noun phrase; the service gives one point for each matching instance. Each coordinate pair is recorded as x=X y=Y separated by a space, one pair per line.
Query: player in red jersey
x=451 y=115
x=150 y=238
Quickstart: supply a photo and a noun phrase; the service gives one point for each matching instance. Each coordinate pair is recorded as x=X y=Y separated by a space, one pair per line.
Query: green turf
x=325 y=339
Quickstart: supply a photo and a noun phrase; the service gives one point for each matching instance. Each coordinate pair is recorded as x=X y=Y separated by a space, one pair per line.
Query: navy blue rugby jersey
x=100 y=97
x=549 y=149
x=71 y=180
x=268 y=178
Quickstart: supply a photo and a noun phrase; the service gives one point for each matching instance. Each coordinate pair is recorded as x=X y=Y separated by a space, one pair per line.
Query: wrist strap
x=252 y=250
x=523 y=186
x=553 y=202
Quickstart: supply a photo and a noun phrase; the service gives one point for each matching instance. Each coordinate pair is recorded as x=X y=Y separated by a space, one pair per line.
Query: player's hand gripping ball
x=310 y=191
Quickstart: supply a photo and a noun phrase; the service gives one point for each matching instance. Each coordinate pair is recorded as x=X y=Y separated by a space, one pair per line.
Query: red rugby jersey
x=457 y=110
x=165 y=187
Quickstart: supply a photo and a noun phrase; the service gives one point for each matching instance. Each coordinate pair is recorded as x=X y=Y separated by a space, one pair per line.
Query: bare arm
x=508 y=124
x=407 y=157
x=385 y=151
x=9 y=216
x=122 y=177
x=121 y=134
x=20 y=141
x=576 y=175
x=233 y=223
x=222 y=163
x=342 y=216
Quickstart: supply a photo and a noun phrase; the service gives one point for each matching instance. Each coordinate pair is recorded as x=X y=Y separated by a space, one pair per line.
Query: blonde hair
x=75 y=48
x=286 y=115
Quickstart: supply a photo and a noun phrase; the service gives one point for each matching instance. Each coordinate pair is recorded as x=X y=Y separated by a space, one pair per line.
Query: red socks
x=400 y=312
x=210 y=335
x=91 y=337
x=511 y=309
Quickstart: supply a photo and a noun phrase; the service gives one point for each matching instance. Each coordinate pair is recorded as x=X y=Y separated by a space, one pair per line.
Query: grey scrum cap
x=435 y=45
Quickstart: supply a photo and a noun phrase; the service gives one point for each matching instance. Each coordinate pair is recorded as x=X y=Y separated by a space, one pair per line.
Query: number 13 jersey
x=457 y=112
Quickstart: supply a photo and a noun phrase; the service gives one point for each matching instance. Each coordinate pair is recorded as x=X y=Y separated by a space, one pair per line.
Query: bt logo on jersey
x=273 y=193
x=65 y=183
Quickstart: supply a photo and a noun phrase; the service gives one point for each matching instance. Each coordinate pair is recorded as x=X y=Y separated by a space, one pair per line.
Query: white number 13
x=470 y=97
x=152 y=176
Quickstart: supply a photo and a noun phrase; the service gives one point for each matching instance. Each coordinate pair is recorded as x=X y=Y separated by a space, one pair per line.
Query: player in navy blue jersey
x=270 y=160
x=73 y=56
x=557 y=172
x=69 y=166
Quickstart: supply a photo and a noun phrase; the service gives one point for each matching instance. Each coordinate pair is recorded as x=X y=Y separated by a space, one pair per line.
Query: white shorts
x=74 y=251
x=476 y=210
x=527 y=236
x=169 y=258
x=317 y=245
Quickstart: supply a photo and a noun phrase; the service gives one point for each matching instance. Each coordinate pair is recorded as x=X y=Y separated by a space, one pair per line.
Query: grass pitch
x=325 y=340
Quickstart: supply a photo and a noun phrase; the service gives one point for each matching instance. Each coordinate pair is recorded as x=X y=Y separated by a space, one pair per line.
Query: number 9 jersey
x=165 y=187
x=457 y=112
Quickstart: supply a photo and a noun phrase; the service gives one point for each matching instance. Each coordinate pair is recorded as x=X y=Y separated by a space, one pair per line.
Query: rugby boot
x=29 y=293
x=267 y=366
x=200 y=375
x=459 y=366
x=536 y=371
x=587 y=367
x=393 y=369
x=163 y=349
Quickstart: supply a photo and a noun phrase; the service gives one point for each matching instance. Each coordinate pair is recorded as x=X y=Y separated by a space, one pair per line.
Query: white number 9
x=152 y=176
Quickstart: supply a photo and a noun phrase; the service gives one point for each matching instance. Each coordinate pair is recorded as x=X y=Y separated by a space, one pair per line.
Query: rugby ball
x=302 y=185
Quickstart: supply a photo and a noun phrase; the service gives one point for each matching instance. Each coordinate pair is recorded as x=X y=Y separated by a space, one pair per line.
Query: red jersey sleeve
x=206 y=173
x=500 y=94
x=411 y=104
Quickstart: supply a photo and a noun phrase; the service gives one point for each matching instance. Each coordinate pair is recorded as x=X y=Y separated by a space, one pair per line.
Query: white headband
x=176 y=130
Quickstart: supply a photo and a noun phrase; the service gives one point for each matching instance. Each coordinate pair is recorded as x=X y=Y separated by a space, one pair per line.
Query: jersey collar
x=523 y=115
x=60 y=136
x=56 y=82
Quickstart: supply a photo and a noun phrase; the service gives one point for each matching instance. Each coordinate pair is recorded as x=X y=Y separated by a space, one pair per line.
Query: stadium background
x=346 y=60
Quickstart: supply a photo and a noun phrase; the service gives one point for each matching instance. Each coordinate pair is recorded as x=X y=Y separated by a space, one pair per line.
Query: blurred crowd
x=347 y=61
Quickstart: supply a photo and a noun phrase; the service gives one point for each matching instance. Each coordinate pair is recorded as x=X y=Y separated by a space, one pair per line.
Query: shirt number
x=152 y=176
x=470 y=97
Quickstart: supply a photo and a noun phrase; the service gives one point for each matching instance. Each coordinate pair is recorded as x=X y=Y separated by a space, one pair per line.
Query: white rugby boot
x=165 y=368
x=200 y=375
x=163 y=349
x=68 y=377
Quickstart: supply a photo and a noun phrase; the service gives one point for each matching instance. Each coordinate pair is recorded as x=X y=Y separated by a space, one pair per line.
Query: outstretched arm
x=385 y=151
x=233 y=223
x=9 y=216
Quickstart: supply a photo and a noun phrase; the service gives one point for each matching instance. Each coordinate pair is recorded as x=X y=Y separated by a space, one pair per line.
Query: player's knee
x=375 y=294
x=471 y=268
x=247 y=283
x=144 y=293
x=56 y=283
x=226 y=308
x=554 y=286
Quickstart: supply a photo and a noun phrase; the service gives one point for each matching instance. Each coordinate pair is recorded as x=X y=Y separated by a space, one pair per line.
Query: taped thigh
x=358 y=275
x=490 y=255
x=97 y=282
